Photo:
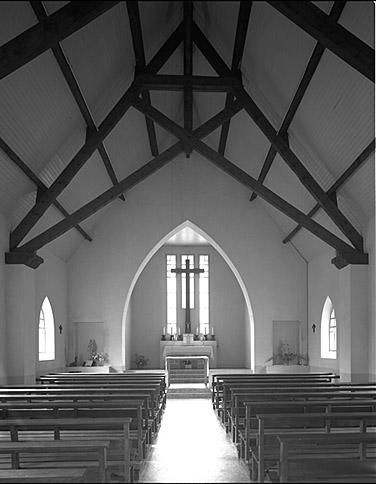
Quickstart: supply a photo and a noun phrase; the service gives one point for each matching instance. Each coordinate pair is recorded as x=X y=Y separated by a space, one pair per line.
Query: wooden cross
x=187 y=271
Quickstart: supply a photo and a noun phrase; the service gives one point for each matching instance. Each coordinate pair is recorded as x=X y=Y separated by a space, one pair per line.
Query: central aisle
x=192 y=446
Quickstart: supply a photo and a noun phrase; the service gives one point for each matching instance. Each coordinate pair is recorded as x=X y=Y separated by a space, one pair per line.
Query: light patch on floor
x=192 y=446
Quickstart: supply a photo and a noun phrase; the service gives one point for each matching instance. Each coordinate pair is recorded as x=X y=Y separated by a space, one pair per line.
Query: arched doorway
x=188 y=224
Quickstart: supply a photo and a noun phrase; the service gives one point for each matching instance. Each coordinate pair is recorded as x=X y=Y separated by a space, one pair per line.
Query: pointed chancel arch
x=328 y=331
x=220 y=250
x=46 y=332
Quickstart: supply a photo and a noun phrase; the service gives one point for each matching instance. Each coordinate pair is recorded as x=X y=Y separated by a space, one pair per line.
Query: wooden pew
x=288 y=406
x=218 y=378
x=270 y=426
x=233 y=395
x=327 y=463
x=47 y=476
x=113 y=429
x=41 y=448
x=219 y=390
x=53 y=409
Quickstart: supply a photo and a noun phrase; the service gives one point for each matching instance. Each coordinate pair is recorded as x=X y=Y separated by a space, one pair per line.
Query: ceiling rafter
x=348 y=173
x=47 y=33
x=240 y=175
x=299 y=94
x=329 y=33
x=109 y=195
x=188 y=69
x=237 y=55
x=139 y=53
x=12 y=155
x=76 y=92
x=176 y=82
x=94 y=138
x=279 y=142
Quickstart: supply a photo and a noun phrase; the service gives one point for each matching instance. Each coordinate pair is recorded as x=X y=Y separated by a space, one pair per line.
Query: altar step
x=187 y=375
x=188 y=391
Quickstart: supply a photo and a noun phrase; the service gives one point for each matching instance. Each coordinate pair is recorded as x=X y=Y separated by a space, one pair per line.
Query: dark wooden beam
x=12 y=155
x=330 y=34
x=173 y=82
x=136 y=177
x=280 y=144
x=70 y=79
x=188 y=69
x=355 y=165
x=302 y=88
x=30 y=259
x=91 y=144
x=237 y=55
x=342 y=259
x=243 y=177
x=139 y=53
x=47 y=33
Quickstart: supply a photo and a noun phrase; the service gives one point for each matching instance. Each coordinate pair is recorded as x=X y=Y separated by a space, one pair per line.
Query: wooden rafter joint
x=172 y=82
x=30 y=259
x=342 y=259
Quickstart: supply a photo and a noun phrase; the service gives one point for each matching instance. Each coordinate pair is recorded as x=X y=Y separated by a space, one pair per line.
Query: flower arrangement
x=99 y=358
x=285 y=356
x=141 y=361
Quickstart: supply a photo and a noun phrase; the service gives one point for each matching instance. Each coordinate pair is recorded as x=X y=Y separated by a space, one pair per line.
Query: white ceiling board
x=100 y=52
x=16 y=17
x=37 y=111
x=275 y=57
x=359 y=18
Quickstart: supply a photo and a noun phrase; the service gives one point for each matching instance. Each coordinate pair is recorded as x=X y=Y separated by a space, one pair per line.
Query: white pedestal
x=88 y=369
x=287 y=369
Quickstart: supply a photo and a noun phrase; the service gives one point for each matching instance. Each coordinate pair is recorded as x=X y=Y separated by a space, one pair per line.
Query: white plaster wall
x=101 y=272
x=370 y=248
x=352 y=291
x=226 y=308
x=3 y=343
x=322 y=282
x=51 y=281
x=25 y=291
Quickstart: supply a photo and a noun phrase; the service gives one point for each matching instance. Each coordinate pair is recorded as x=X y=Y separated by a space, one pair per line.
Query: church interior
x=187 y=194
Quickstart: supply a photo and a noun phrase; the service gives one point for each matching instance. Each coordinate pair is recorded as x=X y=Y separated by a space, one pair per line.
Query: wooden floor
x=192 y=446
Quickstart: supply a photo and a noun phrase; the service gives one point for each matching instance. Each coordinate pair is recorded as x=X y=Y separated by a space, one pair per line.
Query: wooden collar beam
x=280 y=144
x=76 y=92
x=47 y=33
x=302 y=88
x=355 y=165
x=92 y=142
x=349 y=254
x=330 y=34
x=139 y=53
x=237 y=55
x=29 y=249
x=12 y=155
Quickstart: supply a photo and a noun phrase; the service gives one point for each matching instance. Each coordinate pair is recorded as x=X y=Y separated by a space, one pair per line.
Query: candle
x=163 y=330
x=212 y=330
x=179 y=331
x=196 y=329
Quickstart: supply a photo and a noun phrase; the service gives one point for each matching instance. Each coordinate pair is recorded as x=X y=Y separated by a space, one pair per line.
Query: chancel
x=187 y=230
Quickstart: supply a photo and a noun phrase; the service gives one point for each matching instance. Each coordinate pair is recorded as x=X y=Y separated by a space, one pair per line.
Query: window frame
x=46 y=316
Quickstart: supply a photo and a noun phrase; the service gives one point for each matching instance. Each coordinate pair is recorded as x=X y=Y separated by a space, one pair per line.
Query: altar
x=193 y=348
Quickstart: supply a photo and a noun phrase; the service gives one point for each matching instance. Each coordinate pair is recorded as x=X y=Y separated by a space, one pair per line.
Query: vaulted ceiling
x=96 y=96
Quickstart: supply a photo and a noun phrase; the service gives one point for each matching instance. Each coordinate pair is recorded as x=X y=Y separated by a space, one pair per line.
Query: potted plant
x=286 y=360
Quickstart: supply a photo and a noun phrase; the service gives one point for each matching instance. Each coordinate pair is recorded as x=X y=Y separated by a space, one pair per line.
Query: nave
x=192 y=446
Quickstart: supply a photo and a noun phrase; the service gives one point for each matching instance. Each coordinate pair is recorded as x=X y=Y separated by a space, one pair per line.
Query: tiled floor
x=192 y=446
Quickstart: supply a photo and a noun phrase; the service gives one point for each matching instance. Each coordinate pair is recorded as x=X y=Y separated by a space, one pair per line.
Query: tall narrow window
x=46 y=332
x=191 y=283
x=171 y=294
x=332 y=332
x=328 y=331
x=204 y=294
